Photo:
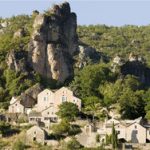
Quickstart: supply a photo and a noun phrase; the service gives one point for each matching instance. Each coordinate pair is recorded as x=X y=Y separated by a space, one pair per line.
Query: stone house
x=63 y=95
x=34 y=117
x=128 y=130
x=48 y=102
x=15 y=106
x=121 y=130
x=44 y=100
x=36 y=134
x=147 y=132
x=50 y=114
x=136 y=133
x=50 y=98
x=18 y=106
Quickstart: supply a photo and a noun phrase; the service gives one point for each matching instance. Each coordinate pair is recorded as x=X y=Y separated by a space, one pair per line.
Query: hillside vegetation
x=117 y=40
x=95 y=84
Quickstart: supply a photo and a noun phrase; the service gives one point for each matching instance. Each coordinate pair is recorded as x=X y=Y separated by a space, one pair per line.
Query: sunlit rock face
x=54 y=43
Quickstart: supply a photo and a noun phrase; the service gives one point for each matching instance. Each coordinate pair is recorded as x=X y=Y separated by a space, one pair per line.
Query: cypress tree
x=114 y=139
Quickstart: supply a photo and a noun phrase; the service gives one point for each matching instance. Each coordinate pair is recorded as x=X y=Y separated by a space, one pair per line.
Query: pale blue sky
x=109 y=12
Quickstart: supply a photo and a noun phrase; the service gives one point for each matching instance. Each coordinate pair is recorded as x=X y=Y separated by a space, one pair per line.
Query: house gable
x=136 y=133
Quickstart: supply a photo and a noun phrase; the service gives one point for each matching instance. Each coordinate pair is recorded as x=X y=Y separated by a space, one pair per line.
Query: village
x=68 y=85
x=41 y=115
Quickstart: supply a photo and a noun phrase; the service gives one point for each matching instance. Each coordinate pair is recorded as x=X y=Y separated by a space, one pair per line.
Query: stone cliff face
x=17 y=61
x=137 y=69
x=135 y=65
x=54 y=42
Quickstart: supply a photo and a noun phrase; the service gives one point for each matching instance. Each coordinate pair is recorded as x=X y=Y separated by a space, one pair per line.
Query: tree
x=147 y=102
x=92 y=106
x=114 y=139
x=132 y=104
x=111 y=92
x=62 y=128
x=88 y=80
x=68 y=111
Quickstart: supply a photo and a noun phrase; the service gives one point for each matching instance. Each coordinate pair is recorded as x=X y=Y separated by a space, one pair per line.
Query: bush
x=97 y=138
x=18 y=145
x=73 y=144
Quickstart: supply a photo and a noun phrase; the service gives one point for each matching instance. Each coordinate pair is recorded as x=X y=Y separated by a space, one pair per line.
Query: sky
x=109 y=12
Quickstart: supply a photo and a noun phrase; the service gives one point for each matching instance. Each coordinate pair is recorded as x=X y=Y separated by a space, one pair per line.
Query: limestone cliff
x=134 y=65
x=54 y=42
x=17 y=61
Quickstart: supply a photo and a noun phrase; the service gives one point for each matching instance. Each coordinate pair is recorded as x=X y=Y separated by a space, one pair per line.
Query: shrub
x=18 y=145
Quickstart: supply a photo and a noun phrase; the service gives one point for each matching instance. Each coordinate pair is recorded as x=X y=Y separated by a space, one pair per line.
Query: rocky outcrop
x=29 y=97
x=135 y=65
x=17 y=61
x=86 y=56
x=19 y=33
x=137 y=69
x=54 y=42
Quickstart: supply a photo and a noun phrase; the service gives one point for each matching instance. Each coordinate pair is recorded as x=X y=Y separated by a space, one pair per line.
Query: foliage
x=23 y=118
x=147 y=101
x=18 y=145
x=92 y=106
x=97 y=138
x=87 y=81
x=132 y=104
x=3 y=144
x=73 y=144
x=68 y=111
x=117 y=40
x=114 y=138
x=62 y=128
x=108 y=139
x=74 y=129
x=4 y=128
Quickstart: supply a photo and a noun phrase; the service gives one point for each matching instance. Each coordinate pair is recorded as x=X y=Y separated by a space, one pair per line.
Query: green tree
x=114 y=138
x=147 y=103
x=132 y=104
x=68 y=111
x=111 y=92
x=88 y=80
x=62 y=128
x=92 y=106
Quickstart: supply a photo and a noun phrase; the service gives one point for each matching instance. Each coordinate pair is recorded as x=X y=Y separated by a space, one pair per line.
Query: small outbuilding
x=36 y=134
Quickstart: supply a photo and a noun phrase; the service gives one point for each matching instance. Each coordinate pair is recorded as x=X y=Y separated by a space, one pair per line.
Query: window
x=48 y=113
x=34 y=132
x=135 y=127
x=52 y=113
x=64 y=98
x=118 y=132
x=44 y=98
